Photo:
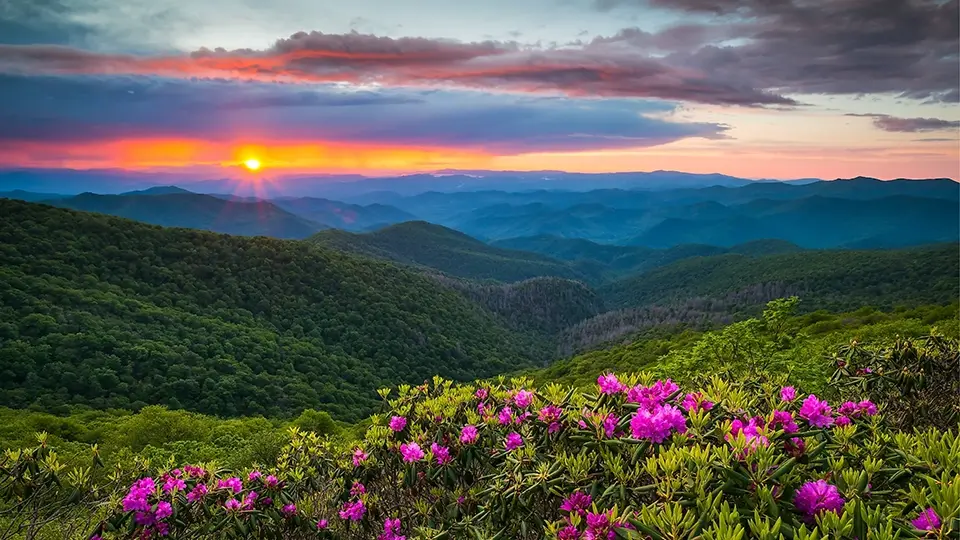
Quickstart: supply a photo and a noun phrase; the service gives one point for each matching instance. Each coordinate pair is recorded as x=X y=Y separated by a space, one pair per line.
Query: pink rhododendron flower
x=843 y=421
x=599 y=527
x=816 y=497
x=359 y=456
x=568 y=533
x=795 y=447
x=322 y=524
x=232 y=505
x=550 y=413
x=353 y=511
x=194 y=471
x=164 y=510
x=553 y=427
x=411 y=452
x=521 y=418
x=397 y=423
x=610 y=384
x=481 y=393
x=694 y=402
x=254 y=475
x=250 y=500
x=440 y=453
x=289 y=509
x=610 y=425
x=576 y=502
x=652 y=396
x=788 y=393
x=271 y=481
x=523 y=399
x=505 y=416
x=136 y=498
x=468 y=435
x=928 y=520
x=816 y=412
x=172 y=483
x=197 y=492
x=234 y=484
x=357 y=489
x=391 y=530
x=784 y=420
x=513 y=441
x=658 y=423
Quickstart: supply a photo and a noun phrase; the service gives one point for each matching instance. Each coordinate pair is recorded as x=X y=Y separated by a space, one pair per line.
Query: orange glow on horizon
x=252 y=164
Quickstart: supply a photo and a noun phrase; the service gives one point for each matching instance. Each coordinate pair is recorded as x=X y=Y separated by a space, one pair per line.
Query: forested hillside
x=451 y=252
x=112 y=313
x=835 y=280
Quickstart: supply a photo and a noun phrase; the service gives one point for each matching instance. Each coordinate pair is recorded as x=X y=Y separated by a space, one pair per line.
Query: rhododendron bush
x=631 y=458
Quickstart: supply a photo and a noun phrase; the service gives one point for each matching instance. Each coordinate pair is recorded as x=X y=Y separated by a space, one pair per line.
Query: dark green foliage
x=424 y=244
x=111 y=313
x=195 y=211
x=834 y=280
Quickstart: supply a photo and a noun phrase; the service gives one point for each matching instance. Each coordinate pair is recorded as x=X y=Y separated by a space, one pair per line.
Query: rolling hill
x=196 y=211
x=427 y=245
x=107 y=312
x=350 y=217
x=835 y=280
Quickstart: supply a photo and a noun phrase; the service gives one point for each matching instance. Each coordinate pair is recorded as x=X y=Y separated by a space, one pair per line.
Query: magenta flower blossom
x=553 y=427
x=523 y=399
x=322 y=524
x=359 y=456
x=856 y=410
x=928 y=520
x=353 y=511
x=197 y=492
x=784 y=420
x=250 y=500
x=136 y=498
x=843 y=421
x=610 y=384
x=271 y=481
x=232 y=505
x=391 y=530
x=816 y=497
x=164 y=510
x=254 y=475
x=481 y=393
x=816 y=412
x=753 y=431
x=598 y=526
x=357 y=489
x=234 y=484
x=550 y=413
x=505 y=416
x=610 y=425
x=568 y=533
x=576 y=502
x=194 y=471
x=867 y=408
x=795 y=447
x=440 y=453
x=397 y=423
x=289 y=509
x=172 y=483
x=513 y=441
x=658 y=423
x=468 y=435
x=411 y=452
x=694 y=402
x=652 y=396
x=788 y=393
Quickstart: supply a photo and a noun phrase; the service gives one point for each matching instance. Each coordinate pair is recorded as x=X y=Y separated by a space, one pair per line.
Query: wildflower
x=136 y=498
x=788 y=393
x=505 y=416
x=289 y=509
x=254 y=475
x=234 y=484
x=652 y=396
x=173 y=483
x=164 y=510
x=576 y=502
x=145 y=518
x=391 y=530
x=816 y=412
x=609 y=384
x=481 y=393
x=513 y=441
x=468 y=435
x=658 y=423
x=550 y=413
x=197 y=492
x=353 y=511
x=411 y=452
x=231 y=505
x=194 y=471
x=359 y=456
x=795 y=447
x=843 y=421
x=523 y=399
x=357 y=489
x=553 y=427
x=271 y=481
x=568 y=533
x=521 y=418
x=322 y=524
x=695 y=402
x=784 y=420
x=867 y=408
x=250 y=500
x=928 y=520
x=598 y=526
x=816 y=497
x=397 y=423
x=610 y=425
x=753 y=431
x=440 y=453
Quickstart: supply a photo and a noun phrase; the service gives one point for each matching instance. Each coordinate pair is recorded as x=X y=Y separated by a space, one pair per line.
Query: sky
x=752 y=88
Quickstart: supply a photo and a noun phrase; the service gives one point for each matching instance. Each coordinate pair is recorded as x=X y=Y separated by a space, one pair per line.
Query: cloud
x=910 y=125
x=73 y=109
x=904 y=47
x=612 y=68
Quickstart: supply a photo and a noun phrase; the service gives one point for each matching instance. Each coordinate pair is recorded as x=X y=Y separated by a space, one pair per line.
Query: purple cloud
x=909 y=125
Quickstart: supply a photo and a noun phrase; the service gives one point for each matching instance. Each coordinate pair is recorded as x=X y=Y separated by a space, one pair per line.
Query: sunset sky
x=755 y=88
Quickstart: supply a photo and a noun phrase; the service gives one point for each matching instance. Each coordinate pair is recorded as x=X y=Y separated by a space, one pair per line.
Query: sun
x=252 y=164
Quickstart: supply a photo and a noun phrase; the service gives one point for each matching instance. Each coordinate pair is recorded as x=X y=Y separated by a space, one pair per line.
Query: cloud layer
x=910 y=125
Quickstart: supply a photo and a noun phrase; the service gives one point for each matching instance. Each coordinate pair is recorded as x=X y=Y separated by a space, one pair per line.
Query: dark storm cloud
x=910 y=125
x=102 y=107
